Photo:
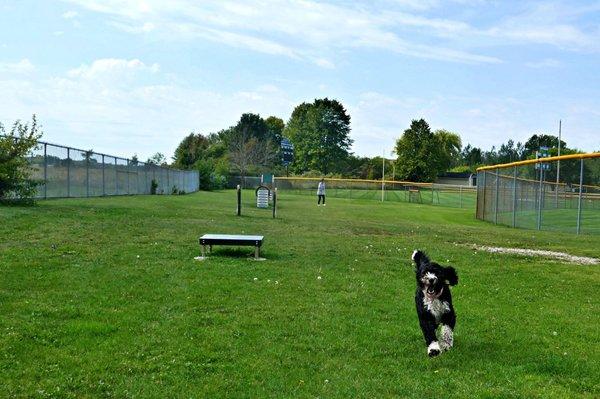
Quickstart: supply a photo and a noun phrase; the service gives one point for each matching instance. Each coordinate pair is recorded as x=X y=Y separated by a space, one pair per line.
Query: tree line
x=320 y=133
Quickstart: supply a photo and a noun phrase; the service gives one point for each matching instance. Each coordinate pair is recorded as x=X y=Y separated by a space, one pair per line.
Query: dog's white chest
x=436 y=307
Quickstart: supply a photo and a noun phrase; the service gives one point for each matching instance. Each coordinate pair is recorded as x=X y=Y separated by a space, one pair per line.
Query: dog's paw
x=433 y=349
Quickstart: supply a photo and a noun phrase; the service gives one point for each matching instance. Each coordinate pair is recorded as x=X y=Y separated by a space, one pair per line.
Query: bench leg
x=256 y=253
x=203 y=251
x=210 y=249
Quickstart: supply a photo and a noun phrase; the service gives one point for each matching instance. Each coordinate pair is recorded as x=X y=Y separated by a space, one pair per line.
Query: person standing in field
x=321 y=192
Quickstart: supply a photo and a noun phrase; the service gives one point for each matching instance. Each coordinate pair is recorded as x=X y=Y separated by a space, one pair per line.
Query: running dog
x=434 y=302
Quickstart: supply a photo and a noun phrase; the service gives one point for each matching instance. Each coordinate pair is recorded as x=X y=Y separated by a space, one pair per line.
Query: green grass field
x=101 y=298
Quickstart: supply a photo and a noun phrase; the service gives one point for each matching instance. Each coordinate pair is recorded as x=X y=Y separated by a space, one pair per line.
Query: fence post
x=580 y=196
x=87 y=174
x=45 y=170
x=514 y=216
x=497 y=196
x=68 y=172
x=127 y=174
x=539 y=215
x=103 y=183
x=116 y=178
x=484 y=192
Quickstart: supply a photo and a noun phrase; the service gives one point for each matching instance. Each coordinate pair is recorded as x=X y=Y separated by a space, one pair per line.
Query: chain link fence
x=456 y=196
x=557 y=194
x=71 y=172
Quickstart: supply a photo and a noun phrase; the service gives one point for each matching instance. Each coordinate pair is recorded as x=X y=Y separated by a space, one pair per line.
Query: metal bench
x=230 y=239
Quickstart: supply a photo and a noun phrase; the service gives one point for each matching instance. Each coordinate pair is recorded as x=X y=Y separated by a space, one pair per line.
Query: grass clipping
x=581 y=260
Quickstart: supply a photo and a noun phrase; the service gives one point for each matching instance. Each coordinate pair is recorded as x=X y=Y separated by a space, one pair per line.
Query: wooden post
x=274 y=203
x=239 y=200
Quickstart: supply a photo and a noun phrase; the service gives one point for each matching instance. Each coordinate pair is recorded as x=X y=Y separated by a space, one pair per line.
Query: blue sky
x=125 y=77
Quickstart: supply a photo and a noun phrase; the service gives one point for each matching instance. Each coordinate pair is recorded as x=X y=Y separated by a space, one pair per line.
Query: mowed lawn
x=102 y=298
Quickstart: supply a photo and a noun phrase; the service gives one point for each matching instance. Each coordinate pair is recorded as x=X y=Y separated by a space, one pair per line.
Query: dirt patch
x=581 y=260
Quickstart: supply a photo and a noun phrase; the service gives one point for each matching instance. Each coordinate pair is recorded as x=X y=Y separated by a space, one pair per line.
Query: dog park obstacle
x=263 y=196
x=229 y=239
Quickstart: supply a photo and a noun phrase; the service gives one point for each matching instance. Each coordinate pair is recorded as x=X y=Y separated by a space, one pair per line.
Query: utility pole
x=558 y=161
x=558 y=164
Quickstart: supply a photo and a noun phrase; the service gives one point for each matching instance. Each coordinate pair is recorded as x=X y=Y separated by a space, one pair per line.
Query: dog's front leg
x=447 y=331
x=428 y=327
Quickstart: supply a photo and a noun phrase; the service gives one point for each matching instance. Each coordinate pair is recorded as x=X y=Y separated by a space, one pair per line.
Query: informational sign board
x=287 y=152
x=542 y=153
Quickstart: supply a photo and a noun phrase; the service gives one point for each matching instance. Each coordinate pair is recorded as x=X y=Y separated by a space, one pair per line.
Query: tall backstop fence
x=389 y=190
x=556 y=193
x=71 y=172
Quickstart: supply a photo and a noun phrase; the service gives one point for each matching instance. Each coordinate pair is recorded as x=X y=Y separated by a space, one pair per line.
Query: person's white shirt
x=321 y=188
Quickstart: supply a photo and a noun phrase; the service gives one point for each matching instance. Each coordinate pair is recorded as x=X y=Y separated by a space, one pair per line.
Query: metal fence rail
x=71 y=172
x=557 y=193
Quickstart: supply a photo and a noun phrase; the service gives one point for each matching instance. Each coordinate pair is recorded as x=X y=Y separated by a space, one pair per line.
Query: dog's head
x=431 y=277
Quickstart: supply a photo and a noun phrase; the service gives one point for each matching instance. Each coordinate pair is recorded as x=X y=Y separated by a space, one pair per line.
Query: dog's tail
x=419 y=257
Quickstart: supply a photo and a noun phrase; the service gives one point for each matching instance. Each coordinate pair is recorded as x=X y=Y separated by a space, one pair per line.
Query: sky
x=128 y=77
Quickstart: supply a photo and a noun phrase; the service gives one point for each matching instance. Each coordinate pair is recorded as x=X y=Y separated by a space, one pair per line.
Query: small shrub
x=217 y=181
x=16 y=184
x=174 y=190
x=153 y=187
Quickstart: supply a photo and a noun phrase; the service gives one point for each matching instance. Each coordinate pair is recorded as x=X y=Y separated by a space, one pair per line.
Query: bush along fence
x=555 y=193
x=71 y=172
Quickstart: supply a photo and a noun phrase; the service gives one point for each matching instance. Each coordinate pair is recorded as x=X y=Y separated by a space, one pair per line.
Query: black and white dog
x=434 y=302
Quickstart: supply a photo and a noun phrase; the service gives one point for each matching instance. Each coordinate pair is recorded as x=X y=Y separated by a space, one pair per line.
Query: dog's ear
x=419 y=258
x=450 y=275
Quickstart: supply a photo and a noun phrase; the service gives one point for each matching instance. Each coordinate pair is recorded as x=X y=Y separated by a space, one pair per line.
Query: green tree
x=16 y=183
x=157 y=159
x=275 y=128
x=471 y=156
x=450 y=145
x=191 y=149
x=541 y=140
x=419 y=155
x=320 y=132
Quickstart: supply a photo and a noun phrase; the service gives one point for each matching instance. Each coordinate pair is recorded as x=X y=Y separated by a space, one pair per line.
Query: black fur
x=434 y=302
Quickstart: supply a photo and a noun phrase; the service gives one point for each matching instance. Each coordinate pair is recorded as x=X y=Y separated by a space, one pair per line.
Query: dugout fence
x=70 y=172
x=389 y=190
x=555 y=193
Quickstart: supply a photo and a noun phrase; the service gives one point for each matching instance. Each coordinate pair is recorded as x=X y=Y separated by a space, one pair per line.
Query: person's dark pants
x=321 y=196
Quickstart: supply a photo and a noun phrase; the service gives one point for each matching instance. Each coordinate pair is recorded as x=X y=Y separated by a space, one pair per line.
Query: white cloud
x=70 y=14
x=82 y=109
x=304 y=29
x=545 y=63
x=324 y=63
x=111 y=67
x=21 y=67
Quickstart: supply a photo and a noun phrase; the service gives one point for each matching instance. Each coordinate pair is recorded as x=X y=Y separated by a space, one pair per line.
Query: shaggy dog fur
x=434 y=302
